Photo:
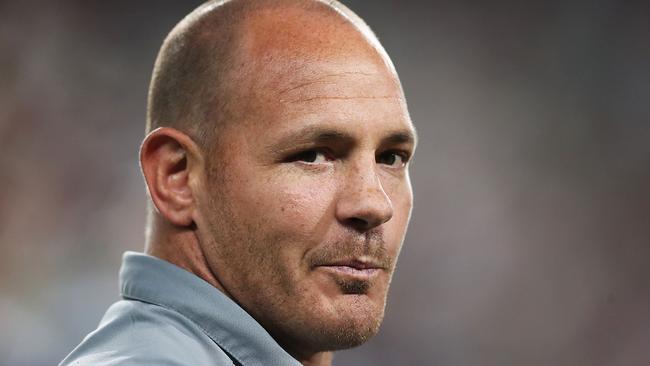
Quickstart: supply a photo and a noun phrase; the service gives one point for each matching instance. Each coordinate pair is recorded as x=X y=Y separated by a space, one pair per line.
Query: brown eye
x=310 y=156
x=392 y=159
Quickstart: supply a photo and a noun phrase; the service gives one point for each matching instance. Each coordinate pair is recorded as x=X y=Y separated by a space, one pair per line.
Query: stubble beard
x=294 y=315
x=310 y=325
x=312 y=329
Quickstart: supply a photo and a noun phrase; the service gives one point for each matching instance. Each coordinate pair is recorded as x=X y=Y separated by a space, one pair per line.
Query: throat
x=317 y=359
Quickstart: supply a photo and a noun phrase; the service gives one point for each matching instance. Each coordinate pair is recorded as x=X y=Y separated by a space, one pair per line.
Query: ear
x=169 y=160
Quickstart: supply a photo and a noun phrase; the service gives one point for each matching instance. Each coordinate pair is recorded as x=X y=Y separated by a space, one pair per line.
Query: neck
x=181 y=248
x=304 y=354
x=317 y=359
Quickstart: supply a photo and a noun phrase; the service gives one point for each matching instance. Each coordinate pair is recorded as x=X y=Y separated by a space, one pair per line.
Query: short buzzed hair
x=188 y=89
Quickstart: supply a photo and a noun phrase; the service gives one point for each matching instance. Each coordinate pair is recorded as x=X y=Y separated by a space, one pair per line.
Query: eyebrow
x=401 y=137
x=323 y=135
x=312 y=134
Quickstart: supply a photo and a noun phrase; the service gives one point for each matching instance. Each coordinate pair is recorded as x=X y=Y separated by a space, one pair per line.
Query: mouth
x=353 y=269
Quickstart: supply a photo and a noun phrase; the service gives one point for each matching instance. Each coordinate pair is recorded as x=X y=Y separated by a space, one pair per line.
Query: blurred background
x=530 y=239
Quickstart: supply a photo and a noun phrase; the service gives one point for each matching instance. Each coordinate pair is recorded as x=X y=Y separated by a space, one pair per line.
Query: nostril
x=358 y=224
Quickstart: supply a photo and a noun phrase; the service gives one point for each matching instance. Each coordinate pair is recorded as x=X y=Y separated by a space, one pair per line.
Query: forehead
x=280 y=43
x=350 y=94
x=299 y=69
x=312 y=30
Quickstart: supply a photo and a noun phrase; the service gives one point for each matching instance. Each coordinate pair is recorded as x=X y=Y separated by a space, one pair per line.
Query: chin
x=355 y=319
x=330 y=319
x=352 y=334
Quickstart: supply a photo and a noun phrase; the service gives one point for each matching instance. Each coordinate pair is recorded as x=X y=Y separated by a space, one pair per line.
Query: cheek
x=292 y=204
x=401 y=196
x=399 y=191
x=304 y=204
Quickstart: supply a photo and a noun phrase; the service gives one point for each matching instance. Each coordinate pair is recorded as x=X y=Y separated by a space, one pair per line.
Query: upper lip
x=356 y=263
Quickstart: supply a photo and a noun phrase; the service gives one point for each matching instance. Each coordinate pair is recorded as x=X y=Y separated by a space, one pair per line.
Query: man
x=276 y=160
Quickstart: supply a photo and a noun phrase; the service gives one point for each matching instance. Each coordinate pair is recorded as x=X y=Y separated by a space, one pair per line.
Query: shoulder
x=138 y=333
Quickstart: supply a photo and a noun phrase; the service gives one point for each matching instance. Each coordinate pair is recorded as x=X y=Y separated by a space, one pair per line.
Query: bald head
x=223 y=51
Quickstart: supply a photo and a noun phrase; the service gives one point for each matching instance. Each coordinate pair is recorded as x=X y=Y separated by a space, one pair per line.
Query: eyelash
x=304 y=156
x=405 y=156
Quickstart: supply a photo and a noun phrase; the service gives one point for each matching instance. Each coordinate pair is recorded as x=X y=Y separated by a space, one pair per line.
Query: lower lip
x=361 y=274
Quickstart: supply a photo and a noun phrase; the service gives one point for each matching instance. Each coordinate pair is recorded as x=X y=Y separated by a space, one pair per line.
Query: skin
x=298 y=210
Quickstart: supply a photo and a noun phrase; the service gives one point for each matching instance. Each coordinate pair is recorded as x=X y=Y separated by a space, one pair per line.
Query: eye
x=393 y=159
x=311 y=157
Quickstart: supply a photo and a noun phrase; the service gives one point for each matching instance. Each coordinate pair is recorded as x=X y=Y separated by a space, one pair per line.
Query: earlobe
x=165 y=157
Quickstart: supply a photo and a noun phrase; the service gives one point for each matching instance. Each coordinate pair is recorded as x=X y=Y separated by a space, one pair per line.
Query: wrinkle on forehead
x=322 y=79
x=341 y=98
x=336 y=81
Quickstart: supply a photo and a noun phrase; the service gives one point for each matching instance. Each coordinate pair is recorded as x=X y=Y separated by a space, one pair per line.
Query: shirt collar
x=153 y=280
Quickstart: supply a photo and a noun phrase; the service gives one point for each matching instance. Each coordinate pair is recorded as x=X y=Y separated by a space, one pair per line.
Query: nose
x=363 y=204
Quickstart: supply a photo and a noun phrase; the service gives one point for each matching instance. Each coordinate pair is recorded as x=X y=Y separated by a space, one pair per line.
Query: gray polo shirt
x=170 y=317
